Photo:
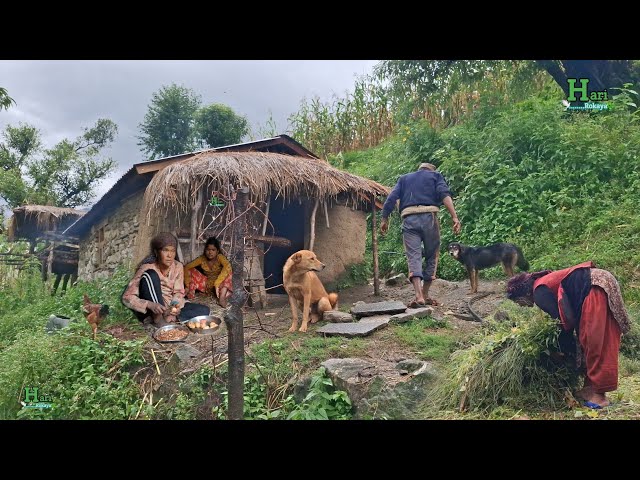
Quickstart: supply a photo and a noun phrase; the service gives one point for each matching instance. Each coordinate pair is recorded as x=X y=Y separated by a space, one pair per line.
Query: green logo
x=591 y=99
x=34 y=400
x=216 y=202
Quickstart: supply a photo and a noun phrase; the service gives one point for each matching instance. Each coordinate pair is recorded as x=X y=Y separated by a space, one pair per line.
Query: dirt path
x=453 y=298
x=274 y=321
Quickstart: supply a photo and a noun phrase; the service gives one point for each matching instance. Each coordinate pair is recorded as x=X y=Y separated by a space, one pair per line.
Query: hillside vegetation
x=565 y=186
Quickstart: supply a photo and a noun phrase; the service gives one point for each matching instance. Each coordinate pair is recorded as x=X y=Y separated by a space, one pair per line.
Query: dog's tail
x=522 y=262
x=333 y=300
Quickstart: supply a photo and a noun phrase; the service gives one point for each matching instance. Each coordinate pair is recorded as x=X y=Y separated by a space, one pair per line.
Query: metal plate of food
x=171 y=334
x=203 y=324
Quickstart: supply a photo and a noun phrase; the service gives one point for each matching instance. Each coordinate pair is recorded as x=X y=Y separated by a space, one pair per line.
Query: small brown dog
x=305 y=289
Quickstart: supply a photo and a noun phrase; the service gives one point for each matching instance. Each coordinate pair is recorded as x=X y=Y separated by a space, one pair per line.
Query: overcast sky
x=62 y=97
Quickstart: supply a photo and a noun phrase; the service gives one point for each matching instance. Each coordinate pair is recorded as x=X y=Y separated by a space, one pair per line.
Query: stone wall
x=343 y=243
x=111 y=242
x=339 y=246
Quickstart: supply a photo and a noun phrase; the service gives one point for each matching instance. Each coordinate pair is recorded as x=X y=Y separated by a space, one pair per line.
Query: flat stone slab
x=336 y=316
x=411 y=313
x=378 y=308
x=185 y=352
x=360 y=329
x=375 y=318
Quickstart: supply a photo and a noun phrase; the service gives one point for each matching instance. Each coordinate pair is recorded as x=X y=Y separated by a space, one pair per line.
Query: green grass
x=419 y=335
x=304 y=354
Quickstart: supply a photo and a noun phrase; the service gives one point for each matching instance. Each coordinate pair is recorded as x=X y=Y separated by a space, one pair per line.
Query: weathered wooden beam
x=277 y=241
x=58 y=237
x=312 y=233
x=233 y=316
x=374 y=247
x=194 y=223
x=266 y=217
x=326 y=213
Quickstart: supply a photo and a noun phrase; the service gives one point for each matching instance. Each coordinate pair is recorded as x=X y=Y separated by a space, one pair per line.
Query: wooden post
x=233 y=317
x=195 y=209
x=44 y=269
x=312 y=234
x=374 y=246
x=56 y=283
x=65 y=281
x=326 y=213
x=266 y=217
x=50 y=262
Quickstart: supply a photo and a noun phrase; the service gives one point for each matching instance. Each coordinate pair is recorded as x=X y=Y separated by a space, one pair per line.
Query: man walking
x=421 y=193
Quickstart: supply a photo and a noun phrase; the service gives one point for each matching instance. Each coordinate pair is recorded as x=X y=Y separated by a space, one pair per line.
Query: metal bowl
x=200 y=331
x=170 y=327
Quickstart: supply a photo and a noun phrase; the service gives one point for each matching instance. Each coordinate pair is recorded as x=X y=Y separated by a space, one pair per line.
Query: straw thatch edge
x=44 y=215
x=264 y=173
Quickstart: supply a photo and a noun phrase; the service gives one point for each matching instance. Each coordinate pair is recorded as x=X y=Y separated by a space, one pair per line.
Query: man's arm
x=457 y=226
x=389 y=205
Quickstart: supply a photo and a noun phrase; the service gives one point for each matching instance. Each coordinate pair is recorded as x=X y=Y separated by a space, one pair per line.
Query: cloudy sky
x=62 y=97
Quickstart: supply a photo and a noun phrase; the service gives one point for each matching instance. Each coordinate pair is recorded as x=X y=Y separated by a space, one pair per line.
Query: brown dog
x=305 y=289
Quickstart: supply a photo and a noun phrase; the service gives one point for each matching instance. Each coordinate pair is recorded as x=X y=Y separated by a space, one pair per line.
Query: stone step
x=375 y=318
x=336 y=316
x=360 y=329
x=377 y=308
x=411 y=313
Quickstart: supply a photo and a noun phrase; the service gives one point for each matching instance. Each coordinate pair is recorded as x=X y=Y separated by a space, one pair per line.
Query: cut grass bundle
x=509 y=364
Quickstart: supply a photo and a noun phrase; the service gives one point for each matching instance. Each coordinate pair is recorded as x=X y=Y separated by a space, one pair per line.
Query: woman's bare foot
x=599 y=398
x=588 y=395
x=585 y=393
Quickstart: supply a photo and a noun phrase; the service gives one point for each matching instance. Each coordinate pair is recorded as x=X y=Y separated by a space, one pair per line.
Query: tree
x=175 y=123
x=218 y=125
x=5 y=100
x=422 y=78
x=168 y=125
x=602 y=74
x=425 y=77
x=63 y=176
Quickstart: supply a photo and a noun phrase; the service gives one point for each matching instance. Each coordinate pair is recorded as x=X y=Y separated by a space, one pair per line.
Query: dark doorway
x=287 y=221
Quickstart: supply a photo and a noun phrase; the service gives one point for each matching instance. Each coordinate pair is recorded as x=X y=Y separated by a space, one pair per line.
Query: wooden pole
x=194 y=225
x=266 y=217
x=50 y=262
x=65 y=281
x=326 y=214
x=312 y=234
x=233 y=317
x=374 y=245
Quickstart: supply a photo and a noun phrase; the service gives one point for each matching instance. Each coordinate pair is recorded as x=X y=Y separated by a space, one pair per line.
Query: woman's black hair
x=213 y=241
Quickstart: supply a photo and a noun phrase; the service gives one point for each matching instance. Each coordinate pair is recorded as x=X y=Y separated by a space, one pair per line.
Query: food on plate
x=173 y=334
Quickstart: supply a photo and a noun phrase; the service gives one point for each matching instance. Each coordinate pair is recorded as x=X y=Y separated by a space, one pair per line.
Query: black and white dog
x=478 y=258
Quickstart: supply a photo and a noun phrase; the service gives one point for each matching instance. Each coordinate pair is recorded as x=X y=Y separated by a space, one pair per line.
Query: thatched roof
x=140 y=174
x=29 y=221
x=287 y=176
